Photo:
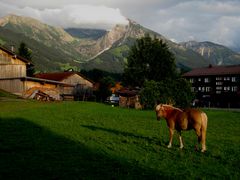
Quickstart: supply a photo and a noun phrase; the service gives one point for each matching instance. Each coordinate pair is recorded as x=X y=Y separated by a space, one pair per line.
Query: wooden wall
x=19 y=87
x=68 y=90
x=15 y=86
x=76 y=79
x=11 y=67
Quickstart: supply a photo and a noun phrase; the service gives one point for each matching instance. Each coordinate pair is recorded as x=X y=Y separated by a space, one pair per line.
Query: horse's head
x=160 y=111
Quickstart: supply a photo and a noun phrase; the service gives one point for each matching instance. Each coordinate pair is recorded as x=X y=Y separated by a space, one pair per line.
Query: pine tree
x=26 y=53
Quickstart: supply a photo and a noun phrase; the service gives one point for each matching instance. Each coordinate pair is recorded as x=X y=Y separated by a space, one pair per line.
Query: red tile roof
x=58 y=76
x=214 y=70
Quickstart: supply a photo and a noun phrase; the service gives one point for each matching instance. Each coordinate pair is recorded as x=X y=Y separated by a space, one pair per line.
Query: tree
x=26 y=53
x=177 y=92
x=149 y=94
x=149 y=59
x=104 y=89
x=151 y=66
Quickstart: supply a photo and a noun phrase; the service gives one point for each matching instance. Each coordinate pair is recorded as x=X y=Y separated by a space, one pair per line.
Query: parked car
x=113 y=99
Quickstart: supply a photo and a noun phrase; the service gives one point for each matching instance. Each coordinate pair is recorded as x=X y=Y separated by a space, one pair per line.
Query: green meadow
x=86 y=140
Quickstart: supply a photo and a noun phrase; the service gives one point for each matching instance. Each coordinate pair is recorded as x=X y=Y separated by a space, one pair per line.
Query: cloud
x=226 y=31
x=205 y=20
x=87 y=16
x=216 y=21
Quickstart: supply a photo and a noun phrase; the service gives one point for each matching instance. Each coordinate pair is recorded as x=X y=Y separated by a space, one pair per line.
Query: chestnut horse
x=183 y=120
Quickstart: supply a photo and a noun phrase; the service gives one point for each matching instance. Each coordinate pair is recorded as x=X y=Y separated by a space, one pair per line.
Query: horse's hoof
x=181 y=147
x=203 y=150
x=169 y=146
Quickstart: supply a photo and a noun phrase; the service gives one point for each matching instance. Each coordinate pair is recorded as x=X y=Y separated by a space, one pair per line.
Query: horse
x=179 y=120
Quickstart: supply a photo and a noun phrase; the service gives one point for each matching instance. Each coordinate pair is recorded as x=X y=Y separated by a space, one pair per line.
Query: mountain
x=57 y=49
x=216 y=54
x=53 y=49
x=86 y=33
x=119 y=40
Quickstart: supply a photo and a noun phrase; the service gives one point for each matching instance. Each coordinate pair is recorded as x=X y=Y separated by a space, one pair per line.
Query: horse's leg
x=203 y=141
x=203 y=131
x=198 y=132
x=171 y=132
x=180 y=139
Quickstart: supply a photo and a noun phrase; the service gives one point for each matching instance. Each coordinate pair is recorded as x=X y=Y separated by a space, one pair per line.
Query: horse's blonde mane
x=170 y=106
x=158 y=107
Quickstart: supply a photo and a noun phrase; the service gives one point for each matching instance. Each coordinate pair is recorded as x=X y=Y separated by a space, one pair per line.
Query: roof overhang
x=39 y=80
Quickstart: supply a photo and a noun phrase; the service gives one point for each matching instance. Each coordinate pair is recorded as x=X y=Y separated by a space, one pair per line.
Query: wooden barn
x=13 y=77
x=80 y=88
x=12 y=65
x=129 y=98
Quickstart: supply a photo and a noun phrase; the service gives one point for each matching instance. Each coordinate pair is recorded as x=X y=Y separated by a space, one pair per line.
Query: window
x=193 y=89
x=218 y=78
x=199 y=79
x=226 y=88
x=233 y=79
x=218 y=92
x=226 y=78
x=191 y=80
x=234 y=88
x=219 y=88
x=208 y=89
x=219 y=83
x=206 y=80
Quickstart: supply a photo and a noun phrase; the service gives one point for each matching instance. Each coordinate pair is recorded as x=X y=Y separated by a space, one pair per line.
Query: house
x=216 y=86
x=13 y=78
x=81 y=86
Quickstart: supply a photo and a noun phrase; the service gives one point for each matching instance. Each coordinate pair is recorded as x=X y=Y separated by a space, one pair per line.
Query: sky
x=179 y=20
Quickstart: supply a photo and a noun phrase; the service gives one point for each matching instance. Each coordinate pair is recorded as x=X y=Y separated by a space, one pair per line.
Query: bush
x=176 y=92
x=149 y=94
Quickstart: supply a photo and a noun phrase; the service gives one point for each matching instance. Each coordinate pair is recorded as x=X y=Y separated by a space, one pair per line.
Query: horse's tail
x=204 y=130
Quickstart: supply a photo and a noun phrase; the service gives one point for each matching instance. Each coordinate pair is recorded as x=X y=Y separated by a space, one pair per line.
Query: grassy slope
x=73 y=140
x=7 y=95
x=45 y=58
x=112 y=60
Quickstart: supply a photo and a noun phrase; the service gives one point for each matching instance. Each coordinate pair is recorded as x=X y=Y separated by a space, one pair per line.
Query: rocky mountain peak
x=215 y=53
x=56 y=49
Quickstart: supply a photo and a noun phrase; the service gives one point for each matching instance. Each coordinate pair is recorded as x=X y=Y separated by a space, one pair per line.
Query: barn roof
x=214 y=70
x=126 y=92
x=14 y=54
x=58 y=76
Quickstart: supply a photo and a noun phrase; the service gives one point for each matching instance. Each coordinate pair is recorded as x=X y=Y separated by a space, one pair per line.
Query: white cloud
x=74 y=15
x=226 y=31
x=205 y=20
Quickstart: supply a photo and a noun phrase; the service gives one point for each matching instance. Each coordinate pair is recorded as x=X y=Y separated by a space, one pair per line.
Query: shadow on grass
x=28 y=151
x=122 y=133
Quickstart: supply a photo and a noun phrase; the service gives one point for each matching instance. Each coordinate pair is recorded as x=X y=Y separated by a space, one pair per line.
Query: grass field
x=82 y=140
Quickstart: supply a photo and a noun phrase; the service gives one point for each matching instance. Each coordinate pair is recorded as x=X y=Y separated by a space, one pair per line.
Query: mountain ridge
x=55 y=49
x=217 y=54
